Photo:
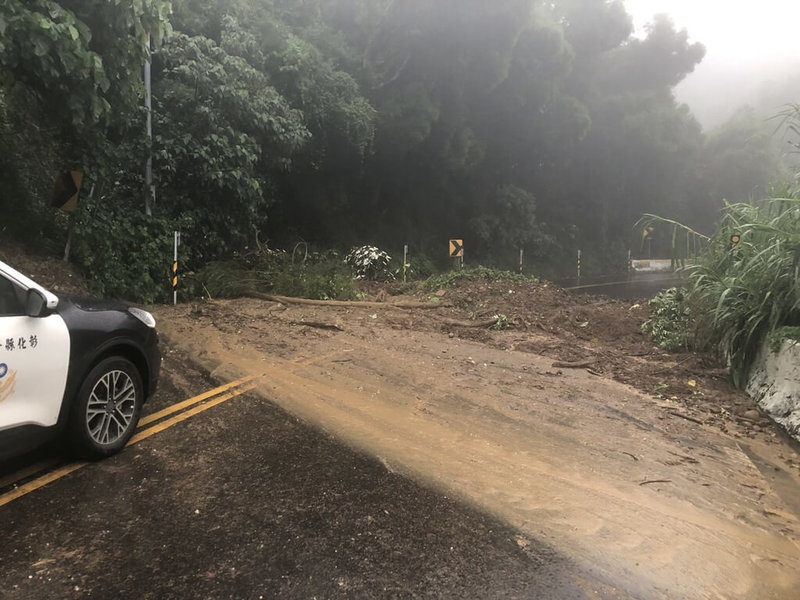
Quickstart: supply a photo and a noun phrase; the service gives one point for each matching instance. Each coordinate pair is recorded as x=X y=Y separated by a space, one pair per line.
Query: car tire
x=106 y=409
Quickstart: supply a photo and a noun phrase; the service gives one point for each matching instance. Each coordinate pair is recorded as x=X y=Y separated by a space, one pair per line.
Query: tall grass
x=740 y=292
x=746 y=282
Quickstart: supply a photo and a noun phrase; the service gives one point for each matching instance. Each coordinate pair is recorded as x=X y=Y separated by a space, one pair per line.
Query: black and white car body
x=72 y=367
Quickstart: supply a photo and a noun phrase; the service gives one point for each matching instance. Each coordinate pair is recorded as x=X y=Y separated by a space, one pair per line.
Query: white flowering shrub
x=369 y=262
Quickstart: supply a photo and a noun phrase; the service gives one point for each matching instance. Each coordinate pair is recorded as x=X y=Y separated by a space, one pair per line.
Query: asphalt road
x=244 y=501
x=640 y=285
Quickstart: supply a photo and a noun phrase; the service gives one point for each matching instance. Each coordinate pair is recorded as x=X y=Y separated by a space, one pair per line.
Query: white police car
x=72 y=367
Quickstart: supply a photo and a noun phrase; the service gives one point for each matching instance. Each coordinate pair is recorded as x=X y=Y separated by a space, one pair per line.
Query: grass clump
x=741 y=292
x=480 y=273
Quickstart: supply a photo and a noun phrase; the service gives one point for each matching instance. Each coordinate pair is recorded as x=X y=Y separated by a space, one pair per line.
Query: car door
x=34 y=358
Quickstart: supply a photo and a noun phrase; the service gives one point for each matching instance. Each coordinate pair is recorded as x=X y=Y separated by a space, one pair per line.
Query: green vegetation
x=515 y=124
x=502 y=322
x=670 y=324
x=370 y=263
x=447 y=279
x=316 y=275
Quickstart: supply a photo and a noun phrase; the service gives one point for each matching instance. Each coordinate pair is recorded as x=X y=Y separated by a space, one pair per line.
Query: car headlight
x=144 y=316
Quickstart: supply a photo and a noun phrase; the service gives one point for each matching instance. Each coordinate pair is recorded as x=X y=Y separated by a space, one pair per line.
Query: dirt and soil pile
x=598 y=334
x=601 y=334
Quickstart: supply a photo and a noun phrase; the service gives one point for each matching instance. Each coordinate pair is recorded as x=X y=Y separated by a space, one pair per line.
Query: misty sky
x=748 y=44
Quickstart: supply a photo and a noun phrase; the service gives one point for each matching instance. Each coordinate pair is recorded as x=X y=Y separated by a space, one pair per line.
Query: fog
x=752 y=55
x=718 y=88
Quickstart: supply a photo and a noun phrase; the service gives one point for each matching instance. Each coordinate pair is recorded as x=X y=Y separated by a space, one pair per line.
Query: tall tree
x=639 y=153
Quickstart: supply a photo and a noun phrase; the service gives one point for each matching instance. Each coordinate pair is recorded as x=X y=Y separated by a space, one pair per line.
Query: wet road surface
x=244 y=501
x=637 y=285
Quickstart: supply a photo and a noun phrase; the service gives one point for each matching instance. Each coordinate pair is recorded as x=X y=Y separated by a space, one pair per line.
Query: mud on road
x=641 y=466
x=245 y=502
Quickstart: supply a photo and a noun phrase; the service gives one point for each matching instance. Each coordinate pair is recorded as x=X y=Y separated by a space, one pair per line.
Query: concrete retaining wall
x=775 y=384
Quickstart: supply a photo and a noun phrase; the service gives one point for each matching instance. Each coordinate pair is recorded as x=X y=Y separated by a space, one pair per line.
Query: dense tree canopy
x=542 y=125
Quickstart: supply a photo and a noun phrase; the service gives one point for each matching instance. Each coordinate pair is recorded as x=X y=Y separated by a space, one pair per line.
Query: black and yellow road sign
x=456 y=248
x=66 y=189
x=175 y=275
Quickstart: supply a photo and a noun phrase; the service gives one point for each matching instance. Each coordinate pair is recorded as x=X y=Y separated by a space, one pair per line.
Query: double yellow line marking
x=236 y=388
x=161 y=420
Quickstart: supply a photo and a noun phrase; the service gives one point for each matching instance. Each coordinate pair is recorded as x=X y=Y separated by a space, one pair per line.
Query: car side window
x=12 y=298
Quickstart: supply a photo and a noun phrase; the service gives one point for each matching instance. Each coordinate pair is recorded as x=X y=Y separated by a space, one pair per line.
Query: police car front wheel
x=107 y=408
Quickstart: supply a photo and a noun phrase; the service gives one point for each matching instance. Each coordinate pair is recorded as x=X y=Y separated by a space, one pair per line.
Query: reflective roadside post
x=177 y=240
x=630 y=263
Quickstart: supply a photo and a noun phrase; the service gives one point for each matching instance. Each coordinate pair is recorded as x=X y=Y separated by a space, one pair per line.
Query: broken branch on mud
x=476 y=324
x=318 y=325
x=672 y=367
x=573 y=365
x=687 y=417
x=343 y=303
x=655 y=481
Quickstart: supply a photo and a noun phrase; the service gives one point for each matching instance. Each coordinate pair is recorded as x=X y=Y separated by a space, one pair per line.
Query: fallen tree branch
x=671 y=367
x=573 y=365
x=318 y=325
x=687 y=417
x=475 y=324
x=655 y=481
x=343 y=303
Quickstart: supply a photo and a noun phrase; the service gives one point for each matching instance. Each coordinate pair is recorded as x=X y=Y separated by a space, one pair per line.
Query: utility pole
x=150 y=192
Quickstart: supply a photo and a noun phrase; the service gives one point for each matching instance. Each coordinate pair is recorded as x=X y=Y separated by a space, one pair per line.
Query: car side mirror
x=35 y=304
